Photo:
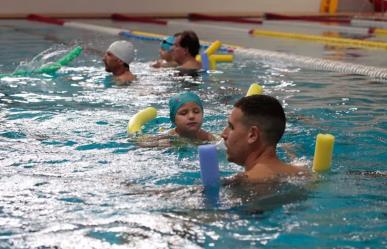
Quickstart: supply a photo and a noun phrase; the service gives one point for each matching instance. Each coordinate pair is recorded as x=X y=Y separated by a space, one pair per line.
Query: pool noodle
x=70 y=56
x=209 y=59
x=137 y=35
x=212 y=63
x=323 y=152
x=50 y=67
x=323 y=39
x=217 y=57
x=141 y=118
x=254 y=89
x=65 y=60
x=213 y=48
x=205 y=61
x=222 y=57
x=209 y=165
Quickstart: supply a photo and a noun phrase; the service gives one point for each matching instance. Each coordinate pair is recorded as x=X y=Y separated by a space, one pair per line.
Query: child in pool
x=186 y=114
x=166 y=59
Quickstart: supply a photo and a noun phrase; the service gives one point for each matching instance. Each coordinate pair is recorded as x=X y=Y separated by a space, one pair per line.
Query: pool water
x=71 y=178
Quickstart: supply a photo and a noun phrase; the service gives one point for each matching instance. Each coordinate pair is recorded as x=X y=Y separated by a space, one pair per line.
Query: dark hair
x=190 y=41
x=266 y=113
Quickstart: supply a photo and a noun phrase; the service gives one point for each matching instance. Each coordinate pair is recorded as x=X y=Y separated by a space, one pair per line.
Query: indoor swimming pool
x=72 y=178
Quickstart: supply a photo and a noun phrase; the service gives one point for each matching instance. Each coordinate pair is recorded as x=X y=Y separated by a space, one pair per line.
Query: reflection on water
x=219 y=211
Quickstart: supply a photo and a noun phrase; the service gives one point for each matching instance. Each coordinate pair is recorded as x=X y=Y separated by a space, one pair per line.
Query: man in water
x=184 y=51
x=255 y=126
x=117 y=59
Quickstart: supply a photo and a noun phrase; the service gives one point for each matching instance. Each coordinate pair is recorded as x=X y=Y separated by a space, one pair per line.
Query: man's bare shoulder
x=234 y=180
x=275 y=173
x=125 y=79
x=293 y=170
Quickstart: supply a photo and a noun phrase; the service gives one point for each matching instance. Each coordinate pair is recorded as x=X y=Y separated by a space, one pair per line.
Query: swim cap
x=167 y=43
x=123 y=50
x=177 y=101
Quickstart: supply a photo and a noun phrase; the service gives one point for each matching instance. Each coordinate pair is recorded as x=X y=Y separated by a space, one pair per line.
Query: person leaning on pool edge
x=255 y=126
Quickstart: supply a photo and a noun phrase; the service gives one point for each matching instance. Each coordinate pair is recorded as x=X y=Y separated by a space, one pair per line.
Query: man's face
x=178 y=52
x=235 y=137
x=111 y=61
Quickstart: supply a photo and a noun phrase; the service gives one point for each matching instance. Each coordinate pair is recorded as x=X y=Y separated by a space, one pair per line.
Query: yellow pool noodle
x=322 y=39
x=380 y=31
x=213 y=47
x=222 y=57
x=254 y=89
x=323 y=152
x=212 y=63
x=141 y=118
x=217 y=57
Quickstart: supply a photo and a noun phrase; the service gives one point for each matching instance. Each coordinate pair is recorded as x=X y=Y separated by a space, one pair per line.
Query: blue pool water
x=71 y=178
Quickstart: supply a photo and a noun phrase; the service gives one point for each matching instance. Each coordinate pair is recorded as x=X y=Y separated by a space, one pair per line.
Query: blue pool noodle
x=209 y=165
x=205 y=61
x=139 y=37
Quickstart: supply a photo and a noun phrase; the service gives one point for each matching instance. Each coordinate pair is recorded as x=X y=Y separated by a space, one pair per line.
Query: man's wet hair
x=266 y=113
x=190 y=41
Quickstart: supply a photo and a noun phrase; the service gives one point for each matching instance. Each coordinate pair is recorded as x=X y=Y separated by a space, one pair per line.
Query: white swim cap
x=123 y=50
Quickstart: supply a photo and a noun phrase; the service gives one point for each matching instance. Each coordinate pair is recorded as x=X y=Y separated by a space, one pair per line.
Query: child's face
x=165 y=55
x=189 y=118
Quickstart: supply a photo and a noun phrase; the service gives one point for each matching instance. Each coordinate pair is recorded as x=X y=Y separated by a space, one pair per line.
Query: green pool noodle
x=2 y=75
x=51 y=67
x=48 y=68
x=17 y=73
x=70 y=56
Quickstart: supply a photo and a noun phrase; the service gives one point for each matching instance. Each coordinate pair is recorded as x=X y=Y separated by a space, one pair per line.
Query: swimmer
x=117 y=59
x=166 y=59
x=255 y=126
x=184 y=51
x=186 y=114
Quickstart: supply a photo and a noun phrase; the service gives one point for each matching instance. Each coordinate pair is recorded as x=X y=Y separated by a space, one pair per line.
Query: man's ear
x=254 y=134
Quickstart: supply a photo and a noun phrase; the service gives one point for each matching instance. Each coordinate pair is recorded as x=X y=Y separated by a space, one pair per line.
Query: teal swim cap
x=167 y=43
x=178 y=100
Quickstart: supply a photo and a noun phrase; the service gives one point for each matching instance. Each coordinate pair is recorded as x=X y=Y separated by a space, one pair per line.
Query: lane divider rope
x=314 y=63
x=318 y=38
